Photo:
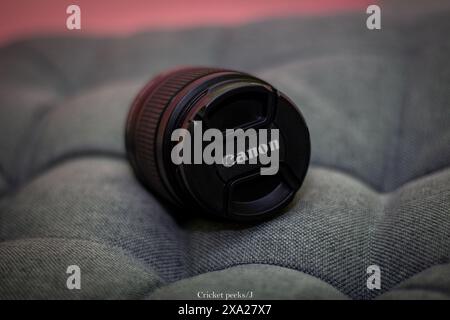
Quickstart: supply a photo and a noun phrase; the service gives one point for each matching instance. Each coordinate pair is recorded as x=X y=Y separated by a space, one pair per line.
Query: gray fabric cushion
x=249 y=282
x=378 y=191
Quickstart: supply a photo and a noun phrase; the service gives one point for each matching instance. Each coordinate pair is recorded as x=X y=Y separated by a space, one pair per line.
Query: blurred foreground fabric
x=378 y=191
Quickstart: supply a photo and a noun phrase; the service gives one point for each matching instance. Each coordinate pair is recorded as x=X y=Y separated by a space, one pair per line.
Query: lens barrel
x=223 y=100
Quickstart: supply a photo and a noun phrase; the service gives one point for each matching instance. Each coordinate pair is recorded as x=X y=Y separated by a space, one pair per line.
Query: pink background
x=22 y=18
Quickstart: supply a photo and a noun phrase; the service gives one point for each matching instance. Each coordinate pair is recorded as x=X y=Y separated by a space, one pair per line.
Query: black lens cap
x=217 y=141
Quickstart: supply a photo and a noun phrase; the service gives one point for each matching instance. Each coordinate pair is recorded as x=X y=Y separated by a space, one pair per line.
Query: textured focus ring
x=148 y=108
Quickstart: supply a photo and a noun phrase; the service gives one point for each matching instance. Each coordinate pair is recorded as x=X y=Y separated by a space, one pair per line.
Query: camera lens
x=219 y=142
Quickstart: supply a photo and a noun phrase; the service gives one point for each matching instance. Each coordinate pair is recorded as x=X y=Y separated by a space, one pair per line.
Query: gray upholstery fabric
x=378 y=191
x=250 y=282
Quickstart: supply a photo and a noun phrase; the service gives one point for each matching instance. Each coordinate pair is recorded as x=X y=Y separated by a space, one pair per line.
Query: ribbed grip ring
x=144 y=119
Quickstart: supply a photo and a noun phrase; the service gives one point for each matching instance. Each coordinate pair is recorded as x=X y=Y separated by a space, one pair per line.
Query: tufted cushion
x=378 y=191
